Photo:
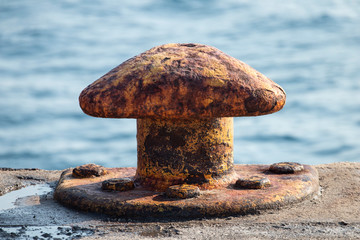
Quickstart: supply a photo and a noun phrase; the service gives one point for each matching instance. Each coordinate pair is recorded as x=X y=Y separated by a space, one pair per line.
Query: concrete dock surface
x=333 y=214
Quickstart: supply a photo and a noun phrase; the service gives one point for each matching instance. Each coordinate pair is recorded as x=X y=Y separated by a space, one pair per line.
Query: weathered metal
x=86 y=194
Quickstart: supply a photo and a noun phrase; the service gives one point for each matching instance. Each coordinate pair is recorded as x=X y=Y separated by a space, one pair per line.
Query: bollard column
x=176 y=151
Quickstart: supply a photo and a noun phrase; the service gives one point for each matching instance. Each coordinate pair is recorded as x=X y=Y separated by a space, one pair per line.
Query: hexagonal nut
x=89 y=170
x=182 y=191
x=286 y=167
x=118 y=184
x=253 y=182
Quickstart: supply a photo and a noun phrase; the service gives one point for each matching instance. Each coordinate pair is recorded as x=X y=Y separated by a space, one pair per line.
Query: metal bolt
x=182 y=191
x=118 y=184
x=89 y=170
x=286 y=167
x=253 y=182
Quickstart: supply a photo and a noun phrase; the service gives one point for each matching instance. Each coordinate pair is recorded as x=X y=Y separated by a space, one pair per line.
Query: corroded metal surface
x=173 y=152
x=182 y=81
x=86 y=194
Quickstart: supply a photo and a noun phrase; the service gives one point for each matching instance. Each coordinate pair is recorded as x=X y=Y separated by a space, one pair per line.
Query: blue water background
x=51 y=50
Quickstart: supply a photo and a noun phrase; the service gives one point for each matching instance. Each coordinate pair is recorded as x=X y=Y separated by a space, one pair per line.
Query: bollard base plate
x=86 y=194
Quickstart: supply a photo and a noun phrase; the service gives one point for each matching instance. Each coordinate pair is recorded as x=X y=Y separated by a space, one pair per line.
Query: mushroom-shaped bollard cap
x=182 y=81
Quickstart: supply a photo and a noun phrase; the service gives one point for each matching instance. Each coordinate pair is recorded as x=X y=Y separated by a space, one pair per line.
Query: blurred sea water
x=51 y=50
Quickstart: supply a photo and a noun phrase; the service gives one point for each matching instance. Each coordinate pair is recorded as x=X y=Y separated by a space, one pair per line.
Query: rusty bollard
x=184 y=97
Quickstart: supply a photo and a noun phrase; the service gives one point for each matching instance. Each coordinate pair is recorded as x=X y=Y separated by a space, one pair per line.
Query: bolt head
x=182 y=191
x=286 y=167
x=253 y=182
x=118 y=184
x=89 y=170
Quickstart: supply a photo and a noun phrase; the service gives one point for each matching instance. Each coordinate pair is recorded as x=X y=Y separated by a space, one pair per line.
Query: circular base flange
x=86 y=194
